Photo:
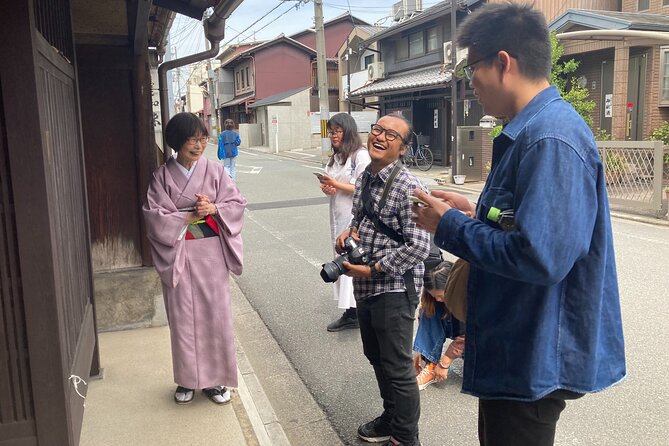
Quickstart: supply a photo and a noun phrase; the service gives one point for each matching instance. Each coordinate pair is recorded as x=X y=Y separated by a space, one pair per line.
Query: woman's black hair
x=181 y=127
x=350 y=141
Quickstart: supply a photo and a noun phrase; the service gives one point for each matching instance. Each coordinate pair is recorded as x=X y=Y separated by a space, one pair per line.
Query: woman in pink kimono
x=194 y=215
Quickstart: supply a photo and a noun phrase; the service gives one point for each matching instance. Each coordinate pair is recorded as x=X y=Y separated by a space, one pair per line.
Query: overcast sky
x=187 y=36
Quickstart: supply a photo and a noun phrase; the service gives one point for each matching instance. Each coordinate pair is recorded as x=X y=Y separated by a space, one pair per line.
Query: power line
x=279 y=16
x=251 y=25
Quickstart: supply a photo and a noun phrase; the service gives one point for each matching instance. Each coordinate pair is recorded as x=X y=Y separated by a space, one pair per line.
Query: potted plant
x=614 y=167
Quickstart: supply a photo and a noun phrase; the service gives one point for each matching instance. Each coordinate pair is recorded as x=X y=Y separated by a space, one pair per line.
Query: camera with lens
x=354 y=254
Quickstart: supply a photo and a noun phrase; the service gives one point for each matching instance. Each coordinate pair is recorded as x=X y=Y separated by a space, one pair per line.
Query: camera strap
x=368 y=211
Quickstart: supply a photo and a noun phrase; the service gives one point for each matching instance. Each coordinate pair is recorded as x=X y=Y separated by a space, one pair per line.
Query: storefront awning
x=414 y=80
x=237 y=101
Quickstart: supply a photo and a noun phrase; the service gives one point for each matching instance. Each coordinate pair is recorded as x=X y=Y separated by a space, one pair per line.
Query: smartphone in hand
x=319 y=175
x=417 y=201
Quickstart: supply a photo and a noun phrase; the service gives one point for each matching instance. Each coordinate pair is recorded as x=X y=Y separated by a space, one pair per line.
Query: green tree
x=562 y=77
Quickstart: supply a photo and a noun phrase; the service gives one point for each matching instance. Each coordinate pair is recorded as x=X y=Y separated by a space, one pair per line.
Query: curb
x=260 y=414
x=283 y=424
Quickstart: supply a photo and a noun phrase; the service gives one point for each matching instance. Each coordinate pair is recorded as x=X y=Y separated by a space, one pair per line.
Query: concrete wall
x=250 y=135
x=294 y=124
x=128 y=299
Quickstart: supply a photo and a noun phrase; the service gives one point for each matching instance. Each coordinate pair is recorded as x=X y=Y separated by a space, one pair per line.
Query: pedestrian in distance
x=543 y=312
x=228 y=148
x=435 y=324
x=347 y=162
x=194 y=216
x=385 y=288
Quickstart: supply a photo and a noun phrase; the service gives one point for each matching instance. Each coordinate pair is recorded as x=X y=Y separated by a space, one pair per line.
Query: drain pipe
x=214 y=30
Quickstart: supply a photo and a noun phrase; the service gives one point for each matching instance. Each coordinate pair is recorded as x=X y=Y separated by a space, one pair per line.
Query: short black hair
x=518 y=29
x=181 y=127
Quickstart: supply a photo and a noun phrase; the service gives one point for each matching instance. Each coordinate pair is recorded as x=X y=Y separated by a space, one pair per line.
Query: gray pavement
x=133 y=403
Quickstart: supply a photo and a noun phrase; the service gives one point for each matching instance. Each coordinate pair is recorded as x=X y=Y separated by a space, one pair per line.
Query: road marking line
x=304 y=155
x=277 y=235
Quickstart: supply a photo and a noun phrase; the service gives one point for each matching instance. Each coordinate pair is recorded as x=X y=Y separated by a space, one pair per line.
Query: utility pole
x=212 y=94
x=455 y=167
x=348 y=74
x=178 y=100
x=322 y=71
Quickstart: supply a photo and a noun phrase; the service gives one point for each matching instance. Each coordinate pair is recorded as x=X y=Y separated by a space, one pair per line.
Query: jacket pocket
x=495 y=197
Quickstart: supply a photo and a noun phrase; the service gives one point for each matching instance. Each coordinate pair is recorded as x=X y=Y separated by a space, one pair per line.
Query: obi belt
x=207 y=227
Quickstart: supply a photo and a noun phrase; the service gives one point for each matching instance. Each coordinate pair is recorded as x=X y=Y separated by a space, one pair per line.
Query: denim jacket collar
x=533 y=108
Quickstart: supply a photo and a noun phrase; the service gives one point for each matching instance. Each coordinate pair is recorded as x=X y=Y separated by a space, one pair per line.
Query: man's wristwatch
x=375 y=273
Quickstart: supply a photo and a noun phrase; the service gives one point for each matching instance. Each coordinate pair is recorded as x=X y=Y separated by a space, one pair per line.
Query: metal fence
x=635 y=173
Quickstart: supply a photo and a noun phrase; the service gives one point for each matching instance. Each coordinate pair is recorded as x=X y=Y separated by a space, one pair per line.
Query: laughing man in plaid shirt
x=385 y=309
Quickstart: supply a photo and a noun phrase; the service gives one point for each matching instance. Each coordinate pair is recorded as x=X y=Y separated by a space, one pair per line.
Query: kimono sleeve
x=164 y=225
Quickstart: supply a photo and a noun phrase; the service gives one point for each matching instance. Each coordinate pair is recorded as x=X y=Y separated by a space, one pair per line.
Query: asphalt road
x=287 y=239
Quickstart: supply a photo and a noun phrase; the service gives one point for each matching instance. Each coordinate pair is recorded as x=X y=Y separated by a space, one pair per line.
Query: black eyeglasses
x=194 y=140
x=469 y=68
x=391 y=135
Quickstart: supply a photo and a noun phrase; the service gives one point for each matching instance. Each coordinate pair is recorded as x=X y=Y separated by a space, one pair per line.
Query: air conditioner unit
x=375 y=71
x=406 y=8
x=448 y=53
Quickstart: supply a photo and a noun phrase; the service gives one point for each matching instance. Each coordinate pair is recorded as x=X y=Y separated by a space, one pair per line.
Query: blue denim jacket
x=543 y=306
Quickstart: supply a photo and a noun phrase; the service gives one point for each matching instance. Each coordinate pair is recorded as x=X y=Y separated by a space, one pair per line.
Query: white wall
x=293 y=124
x=250 y=134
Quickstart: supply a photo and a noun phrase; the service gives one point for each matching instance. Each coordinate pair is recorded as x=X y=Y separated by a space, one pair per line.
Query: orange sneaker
x=427 y=376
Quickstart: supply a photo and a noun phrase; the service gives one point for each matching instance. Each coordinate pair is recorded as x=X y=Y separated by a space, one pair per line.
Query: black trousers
x=522 y=423
x=386 y=327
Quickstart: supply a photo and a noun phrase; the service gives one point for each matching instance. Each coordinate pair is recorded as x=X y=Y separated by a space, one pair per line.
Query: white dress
x=341 y=204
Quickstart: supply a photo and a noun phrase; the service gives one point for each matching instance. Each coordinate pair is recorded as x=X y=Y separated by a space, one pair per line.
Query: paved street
x=287 y=239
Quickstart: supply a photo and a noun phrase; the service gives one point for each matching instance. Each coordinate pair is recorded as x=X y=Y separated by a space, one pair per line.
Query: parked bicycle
x=419 y=153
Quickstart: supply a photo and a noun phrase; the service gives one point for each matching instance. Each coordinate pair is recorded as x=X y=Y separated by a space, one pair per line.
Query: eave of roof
x=609 y=20
x=340 y=18
x=421 y=79
x=278 y=98
x=264 y=45
x=429 y=14
x=239 y=100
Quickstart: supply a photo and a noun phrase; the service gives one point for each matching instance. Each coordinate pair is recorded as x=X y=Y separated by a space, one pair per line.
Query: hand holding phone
x=417 y=201
x=319 y=175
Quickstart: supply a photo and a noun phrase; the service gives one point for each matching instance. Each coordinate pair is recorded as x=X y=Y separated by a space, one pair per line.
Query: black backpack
x=433 y=259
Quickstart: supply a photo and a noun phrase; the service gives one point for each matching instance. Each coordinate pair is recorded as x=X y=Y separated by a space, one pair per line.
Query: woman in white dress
x=348 y=161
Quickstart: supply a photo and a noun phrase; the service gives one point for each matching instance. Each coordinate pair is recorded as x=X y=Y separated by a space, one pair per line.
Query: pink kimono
x=195 y=273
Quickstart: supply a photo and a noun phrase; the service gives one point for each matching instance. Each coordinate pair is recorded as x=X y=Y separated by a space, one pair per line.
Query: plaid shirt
x=394 y=258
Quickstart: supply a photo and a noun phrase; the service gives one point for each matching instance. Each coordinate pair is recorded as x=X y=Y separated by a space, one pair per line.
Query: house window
x=416 y=45
x=248 y=78
x=403 y=48
x=238 y=84
x=643 y=5
x=433 y=38
x=664 y=76
x=370 y=60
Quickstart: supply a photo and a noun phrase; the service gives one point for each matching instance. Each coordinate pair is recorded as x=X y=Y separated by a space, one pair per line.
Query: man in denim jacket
x=543 y=320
